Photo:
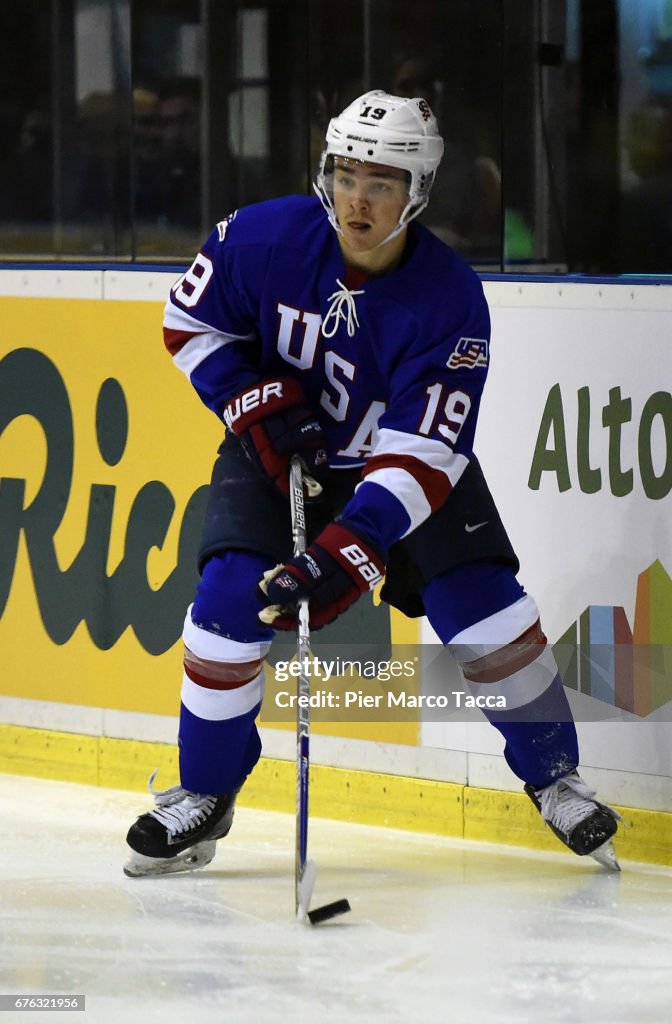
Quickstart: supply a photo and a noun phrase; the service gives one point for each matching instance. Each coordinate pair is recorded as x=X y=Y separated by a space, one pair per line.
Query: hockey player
x=339 y=328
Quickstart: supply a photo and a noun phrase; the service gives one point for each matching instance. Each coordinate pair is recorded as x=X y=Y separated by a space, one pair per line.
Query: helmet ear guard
x=389 y=130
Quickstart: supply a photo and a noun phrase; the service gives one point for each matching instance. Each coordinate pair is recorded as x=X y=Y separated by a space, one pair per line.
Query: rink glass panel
x=130 y=127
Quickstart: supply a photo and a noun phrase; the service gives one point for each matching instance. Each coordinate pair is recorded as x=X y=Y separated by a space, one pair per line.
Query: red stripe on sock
x=217 y=675
x=509 y=659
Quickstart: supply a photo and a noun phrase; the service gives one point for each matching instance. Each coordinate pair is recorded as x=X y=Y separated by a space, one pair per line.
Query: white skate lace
x=177 y=809
x=568 y=802
x=338 y=300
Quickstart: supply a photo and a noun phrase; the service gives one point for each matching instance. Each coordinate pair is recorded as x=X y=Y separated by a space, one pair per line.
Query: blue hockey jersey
x=393 y=365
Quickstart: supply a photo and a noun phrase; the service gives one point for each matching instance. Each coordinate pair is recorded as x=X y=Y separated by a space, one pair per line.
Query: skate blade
x=198 y=856
x=606 y=856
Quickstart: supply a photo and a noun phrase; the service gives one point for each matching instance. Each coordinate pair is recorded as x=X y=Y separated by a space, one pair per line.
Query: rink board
x=417 y=805
x=105 y=455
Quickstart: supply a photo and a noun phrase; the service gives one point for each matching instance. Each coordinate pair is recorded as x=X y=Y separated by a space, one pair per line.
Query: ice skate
x=580 y=821
x=179 y=834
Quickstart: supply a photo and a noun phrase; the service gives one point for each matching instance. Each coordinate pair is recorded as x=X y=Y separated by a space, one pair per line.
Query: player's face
x=368 y=200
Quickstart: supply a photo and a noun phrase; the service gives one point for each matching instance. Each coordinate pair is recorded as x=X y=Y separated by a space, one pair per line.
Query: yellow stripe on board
x=370 y=798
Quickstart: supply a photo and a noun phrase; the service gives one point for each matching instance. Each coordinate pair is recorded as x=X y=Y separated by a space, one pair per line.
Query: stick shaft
x=303 y=683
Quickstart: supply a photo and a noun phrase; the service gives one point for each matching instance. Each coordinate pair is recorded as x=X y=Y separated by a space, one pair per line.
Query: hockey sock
x=217 y=757
x=223 y=680
x=492 y=627
x=541 y=740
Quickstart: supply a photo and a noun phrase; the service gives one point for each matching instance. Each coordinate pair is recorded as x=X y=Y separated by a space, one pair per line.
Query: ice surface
x=440 y=930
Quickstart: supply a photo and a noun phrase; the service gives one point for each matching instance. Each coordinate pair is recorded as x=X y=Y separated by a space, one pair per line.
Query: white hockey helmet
x=394 y=131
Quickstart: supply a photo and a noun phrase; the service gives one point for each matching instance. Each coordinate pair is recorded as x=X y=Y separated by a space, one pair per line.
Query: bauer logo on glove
x=252 y=399
x=338 y=567
x=272 y=421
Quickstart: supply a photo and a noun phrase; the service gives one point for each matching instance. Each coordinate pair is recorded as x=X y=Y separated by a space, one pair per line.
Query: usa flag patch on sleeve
x=469 y=353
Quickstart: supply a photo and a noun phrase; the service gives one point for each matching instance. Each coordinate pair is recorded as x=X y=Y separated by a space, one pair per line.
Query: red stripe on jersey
x=434 y=483
x=176 y=340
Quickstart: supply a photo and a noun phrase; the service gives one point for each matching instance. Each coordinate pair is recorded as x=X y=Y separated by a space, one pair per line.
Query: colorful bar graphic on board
x=601 y=656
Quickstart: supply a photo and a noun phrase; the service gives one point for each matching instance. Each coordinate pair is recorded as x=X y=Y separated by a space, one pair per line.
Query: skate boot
x=583 y=824
x=180 y=833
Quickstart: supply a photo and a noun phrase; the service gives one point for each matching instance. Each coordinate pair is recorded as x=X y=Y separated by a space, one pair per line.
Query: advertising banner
x=575 y=436
x=105 y=461
x=105 y=458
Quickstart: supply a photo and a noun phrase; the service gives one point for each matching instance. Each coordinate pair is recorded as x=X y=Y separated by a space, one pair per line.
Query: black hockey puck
x=328 y=911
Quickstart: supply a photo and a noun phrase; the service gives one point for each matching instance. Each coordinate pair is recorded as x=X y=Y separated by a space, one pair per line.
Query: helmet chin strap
x=404 y=220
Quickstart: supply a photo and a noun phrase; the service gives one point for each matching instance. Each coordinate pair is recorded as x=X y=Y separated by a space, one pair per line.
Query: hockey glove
x=337 y=568
x=272 y=422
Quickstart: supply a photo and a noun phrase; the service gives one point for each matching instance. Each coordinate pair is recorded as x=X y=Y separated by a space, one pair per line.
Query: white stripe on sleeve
x=405 y=489
x=434 y=454
x=204 y=342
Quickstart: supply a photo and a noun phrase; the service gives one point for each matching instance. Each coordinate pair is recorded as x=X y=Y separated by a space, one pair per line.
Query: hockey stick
x=304 y=869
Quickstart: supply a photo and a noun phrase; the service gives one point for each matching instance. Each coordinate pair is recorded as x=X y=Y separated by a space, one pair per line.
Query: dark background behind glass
x=129 y=127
